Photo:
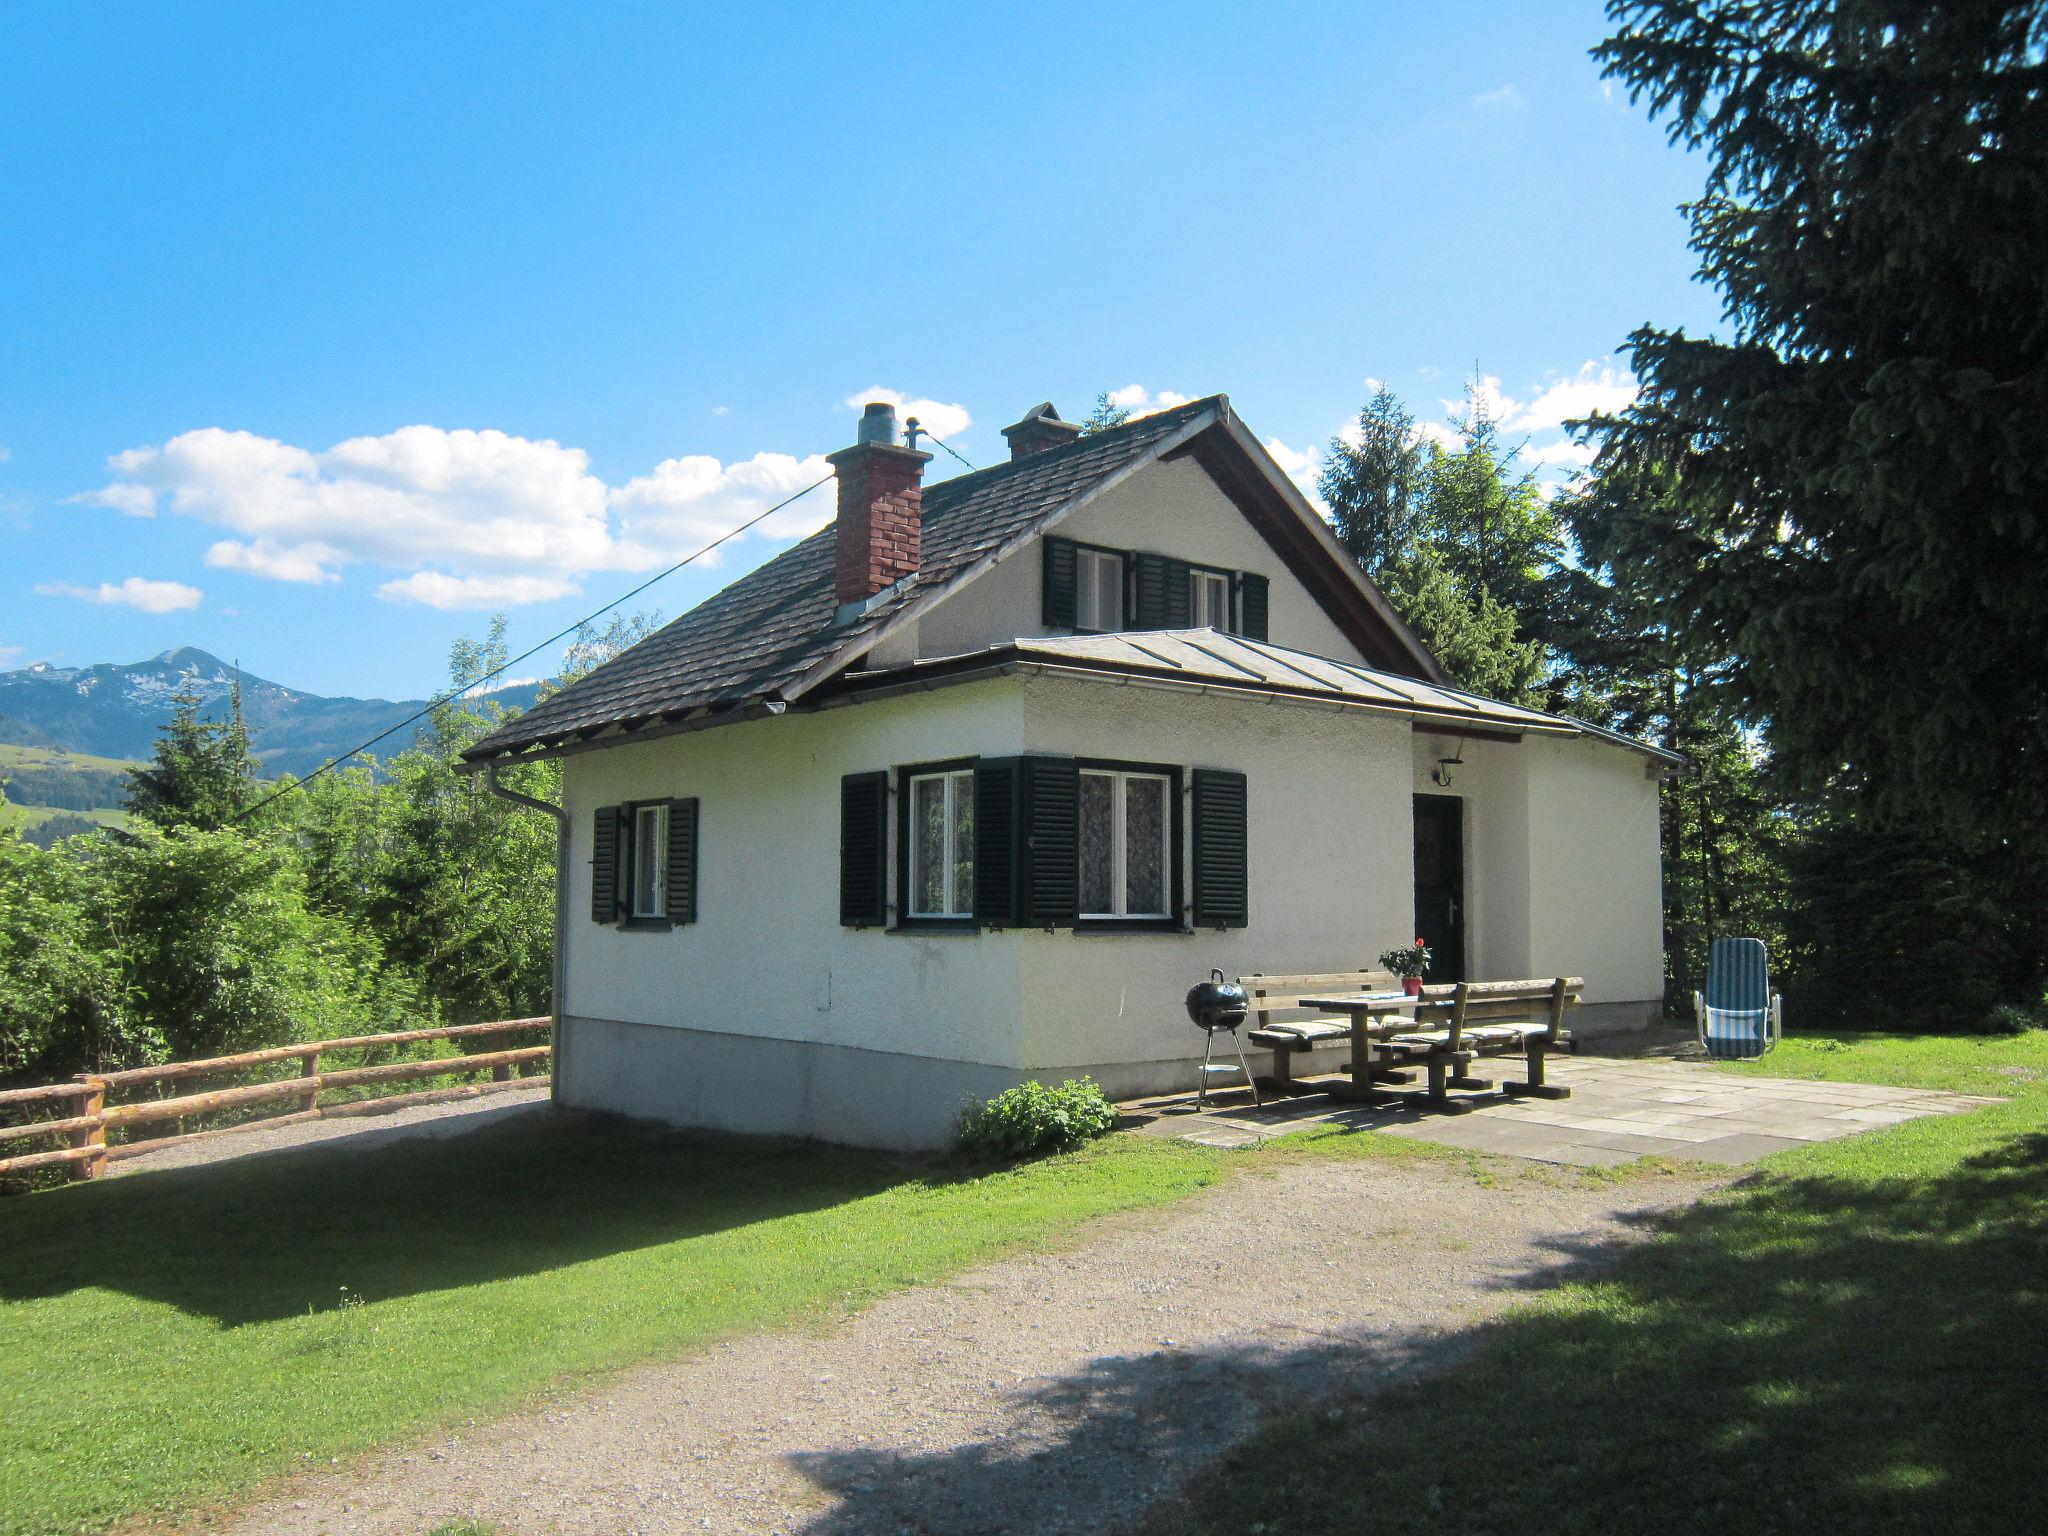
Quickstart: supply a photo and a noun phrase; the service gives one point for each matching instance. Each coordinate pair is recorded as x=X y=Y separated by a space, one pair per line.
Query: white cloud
x=128 y=500
x=721 y=410
x=686 y=503
x=136 y=592
x=1304 y=466
x=437 y=589
x=947 y=421
x=1595 y=387
x=6 y=453
x=1503 y=98
x=457 y=518
x=1563 y=454
x=1139 y=401
x=9 y=652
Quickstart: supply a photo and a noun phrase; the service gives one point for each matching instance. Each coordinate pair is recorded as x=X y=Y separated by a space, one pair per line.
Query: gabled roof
x=775 y=634
x=1208 y=661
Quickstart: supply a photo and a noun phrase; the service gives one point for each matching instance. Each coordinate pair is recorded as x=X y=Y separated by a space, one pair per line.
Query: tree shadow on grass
x=1814 y=1354
x=263 y=1237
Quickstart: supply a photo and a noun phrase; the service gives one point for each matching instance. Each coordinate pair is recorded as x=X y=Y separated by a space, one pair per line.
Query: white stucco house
x=973 y=784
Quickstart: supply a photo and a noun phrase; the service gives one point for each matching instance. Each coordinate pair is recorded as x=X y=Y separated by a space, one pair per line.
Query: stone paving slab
x=1619 y=1110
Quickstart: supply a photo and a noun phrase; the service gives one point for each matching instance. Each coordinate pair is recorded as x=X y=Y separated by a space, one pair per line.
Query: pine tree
x=1459 y=538
x=1857 y=477
x=1372 y=481
x=201 y=771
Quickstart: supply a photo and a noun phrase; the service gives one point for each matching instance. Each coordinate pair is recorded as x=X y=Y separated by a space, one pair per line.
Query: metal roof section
x=1208 y=661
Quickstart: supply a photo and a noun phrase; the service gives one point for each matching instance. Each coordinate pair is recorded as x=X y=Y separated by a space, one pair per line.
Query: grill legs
x=1212 y=1068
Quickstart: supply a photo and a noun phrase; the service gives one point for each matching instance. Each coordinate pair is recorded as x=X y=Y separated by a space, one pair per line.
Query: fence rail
x=83 y=1116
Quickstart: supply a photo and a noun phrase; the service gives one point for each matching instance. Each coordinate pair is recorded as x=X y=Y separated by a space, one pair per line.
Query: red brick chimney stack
x=1040 y=430
x=881 y=506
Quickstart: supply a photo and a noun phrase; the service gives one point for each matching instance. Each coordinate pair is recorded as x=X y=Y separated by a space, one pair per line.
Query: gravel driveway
x=1046 y=1394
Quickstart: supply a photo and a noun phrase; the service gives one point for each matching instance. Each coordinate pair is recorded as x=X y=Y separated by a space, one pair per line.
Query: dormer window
x=1209 y=599
x=1099 y=590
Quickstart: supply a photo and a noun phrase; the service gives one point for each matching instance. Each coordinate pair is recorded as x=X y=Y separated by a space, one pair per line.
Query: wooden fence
x=84 y=1114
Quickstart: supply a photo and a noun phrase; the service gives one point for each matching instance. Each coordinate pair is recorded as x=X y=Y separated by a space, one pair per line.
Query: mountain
x=116 y=711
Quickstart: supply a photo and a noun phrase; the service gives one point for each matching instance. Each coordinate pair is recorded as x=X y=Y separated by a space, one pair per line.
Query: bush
x=1031 y=1120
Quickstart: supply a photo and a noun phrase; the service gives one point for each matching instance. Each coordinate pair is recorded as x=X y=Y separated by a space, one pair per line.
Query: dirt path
x=1048 y=1394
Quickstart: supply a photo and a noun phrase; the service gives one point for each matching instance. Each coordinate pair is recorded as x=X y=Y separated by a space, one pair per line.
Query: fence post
x=93 y=1136
x=309 y=1066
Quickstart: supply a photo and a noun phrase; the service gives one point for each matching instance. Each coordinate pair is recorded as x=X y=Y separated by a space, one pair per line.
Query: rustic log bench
x=1488 y=1018
x=1302 y=1029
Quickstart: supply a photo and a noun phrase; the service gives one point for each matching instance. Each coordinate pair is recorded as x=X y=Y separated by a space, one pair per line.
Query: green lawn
x=1854 y=1339
x=172 y=1339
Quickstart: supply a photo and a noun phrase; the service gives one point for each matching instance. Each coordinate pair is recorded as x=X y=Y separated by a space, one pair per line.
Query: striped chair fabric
x=1739 y=1014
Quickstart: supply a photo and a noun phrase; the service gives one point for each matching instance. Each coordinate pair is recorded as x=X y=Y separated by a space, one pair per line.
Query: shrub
x=1031 y=1120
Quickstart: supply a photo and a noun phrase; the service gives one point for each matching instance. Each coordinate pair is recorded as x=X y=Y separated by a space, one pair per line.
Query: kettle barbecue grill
x=1219 y=1005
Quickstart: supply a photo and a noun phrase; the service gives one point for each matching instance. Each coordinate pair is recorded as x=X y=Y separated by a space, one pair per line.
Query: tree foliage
x=1858 y=486
x=382 y=895
x=1458 y=537
x=201 y=771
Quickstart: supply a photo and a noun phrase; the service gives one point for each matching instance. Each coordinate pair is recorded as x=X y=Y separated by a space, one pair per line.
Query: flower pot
x=1412 y=985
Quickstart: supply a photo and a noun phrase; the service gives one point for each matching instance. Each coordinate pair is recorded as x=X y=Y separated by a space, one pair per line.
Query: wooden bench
x=1488 y=1018
x=1277 y=994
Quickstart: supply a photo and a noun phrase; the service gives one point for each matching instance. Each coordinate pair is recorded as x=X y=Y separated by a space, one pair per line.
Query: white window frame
x=958 y=794
x=1216 y=583
x=1088 y=588
x=1119 y=845
x=658 y=814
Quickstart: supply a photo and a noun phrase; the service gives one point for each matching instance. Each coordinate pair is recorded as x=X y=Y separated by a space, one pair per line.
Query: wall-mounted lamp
x=1442 y=774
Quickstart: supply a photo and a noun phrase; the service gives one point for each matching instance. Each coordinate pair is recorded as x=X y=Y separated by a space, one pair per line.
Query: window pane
x=963 y=845
x=927 y=846
x=1145 y=882
x=1098 y=825
x=649 y=849
x=1212 y=601
x=1109 y=593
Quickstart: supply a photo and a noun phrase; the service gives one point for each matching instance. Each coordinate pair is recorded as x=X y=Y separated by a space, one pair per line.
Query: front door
x=1440 y=883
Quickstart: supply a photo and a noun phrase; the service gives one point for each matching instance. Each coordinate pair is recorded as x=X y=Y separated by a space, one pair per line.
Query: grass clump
x=1031 y=1120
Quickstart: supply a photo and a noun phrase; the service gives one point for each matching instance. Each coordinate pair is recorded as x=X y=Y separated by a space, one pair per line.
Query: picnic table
x=1374 y=1016
x=1487 y=1018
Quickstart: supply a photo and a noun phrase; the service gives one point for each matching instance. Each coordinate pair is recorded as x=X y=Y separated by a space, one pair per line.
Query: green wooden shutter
x=995 y=842
x=863 y=851
x=1148 y=590
x=1059 y=583
x=682 y=861
x=1180 y=595
x=1251 y=605
x=1222 y=864
x=605 y=871
x=1049 y=853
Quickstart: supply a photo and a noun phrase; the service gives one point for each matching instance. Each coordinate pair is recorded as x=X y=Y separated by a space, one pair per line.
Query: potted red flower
x=1408 y=961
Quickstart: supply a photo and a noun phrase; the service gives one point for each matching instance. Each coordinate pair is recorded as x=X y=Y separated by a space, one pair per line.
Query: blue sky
x=326 y=332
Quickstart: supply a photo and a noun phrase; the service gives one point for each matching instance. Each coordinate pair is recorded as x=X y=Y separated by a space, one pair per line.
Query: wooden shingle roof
x=763 y=637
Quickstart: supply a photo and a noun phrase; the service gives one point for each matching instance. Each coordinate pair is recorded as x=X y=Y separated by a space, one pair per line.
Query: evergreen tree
x=1106 y=414
x=1372 y=481
x=1858 y=481
x=201 y=770
x=1459 y=539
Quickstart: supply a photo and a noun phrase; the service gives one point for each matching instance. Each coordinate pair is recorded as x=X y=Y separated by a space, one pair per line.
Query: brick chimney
x=1040 y=429
x=881 y=504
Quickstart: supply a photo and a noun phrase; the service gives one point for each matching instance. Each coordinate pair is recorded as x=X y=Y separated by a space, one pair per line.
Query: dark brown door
x=1440 y=883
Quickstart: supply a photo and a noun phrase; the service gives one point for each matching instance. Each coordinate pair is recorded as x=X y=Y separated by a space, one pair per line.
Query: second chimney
x=880 y=527
x=1040 y=430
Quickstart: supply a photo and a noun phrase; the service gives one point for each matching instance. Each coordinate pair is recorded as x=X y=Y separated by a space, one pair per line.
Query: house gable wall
x=1172 y=508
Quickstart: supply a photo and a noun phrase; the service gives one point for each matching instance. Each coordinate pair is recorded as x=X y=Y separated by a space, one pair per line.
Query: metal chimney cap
x=877 y=423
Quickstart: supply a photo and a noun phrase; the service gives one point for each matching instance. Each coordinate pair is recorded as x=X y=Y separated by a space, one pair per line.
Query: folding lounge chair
x=1740 y=1017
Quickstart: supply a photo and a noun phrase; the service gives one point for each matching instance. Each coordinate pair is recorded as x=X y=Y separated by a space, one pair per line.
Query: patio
x=1621 y=1108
